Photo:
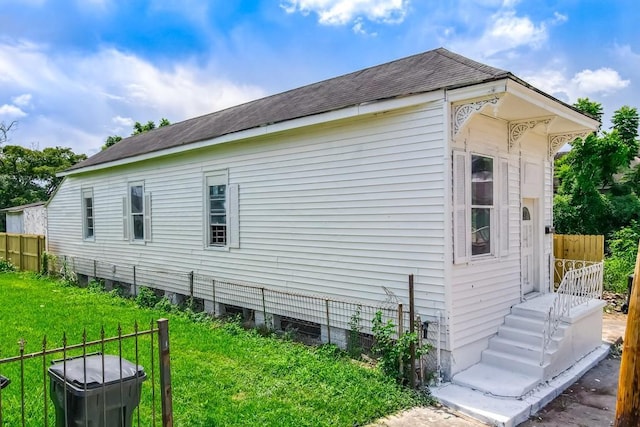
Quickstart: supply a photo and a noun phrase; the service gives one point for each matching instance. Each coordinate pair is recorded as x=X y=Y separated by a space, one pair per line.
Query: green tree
x=28 y=176
x=137 y=129
x=596 y=196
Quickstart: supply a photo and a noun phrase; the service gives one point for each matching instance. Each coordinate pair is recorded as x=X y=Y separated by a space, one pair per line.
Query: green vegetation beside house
x=221 y=374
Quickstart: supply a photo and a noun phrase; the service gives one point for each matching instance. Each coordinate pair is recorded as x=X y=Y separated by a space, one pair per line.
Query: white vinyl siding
x=88 y=214
x=485 y=287
x=345 y=209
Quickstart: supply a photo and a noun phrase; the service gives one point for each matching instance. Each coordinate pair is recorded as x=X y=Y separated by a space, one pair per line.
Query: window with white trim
x=480 y=206
x=136 y=218
x=88 y=224
x=221 y=211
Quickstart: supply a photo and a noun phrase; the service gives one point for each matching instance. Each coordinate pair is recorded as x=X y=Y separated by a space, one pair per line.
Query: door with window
x=529 y=245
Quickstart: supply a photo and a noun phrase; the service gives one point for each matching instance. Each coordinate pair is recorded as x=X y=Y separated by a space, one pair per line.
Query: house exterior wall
x=35 y=220
x=15 y=223
x=484 y=289
x=341 y=210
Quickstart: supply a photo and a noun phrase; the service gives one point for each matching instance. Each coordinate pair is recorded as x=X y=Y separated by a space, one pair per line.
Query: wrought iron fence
x=90 y=382
x=314 y=319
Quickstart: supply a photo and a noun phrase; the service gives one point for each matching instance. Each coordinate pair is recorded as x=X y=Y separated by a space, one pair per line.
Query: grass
x=221 y=374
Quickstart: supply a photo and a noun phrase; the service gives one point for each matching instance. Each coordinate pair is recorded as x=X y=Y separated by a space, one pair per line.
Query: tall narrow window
x=136 y=200
x=482 y=205
x=87 y=214
x=217 y=207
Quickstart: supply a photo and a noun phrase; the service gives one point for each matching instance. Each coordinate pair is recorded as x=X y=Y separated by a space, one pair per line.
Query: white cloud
x=507 y=31
x=602 y=80
x=123 y=121
x=11 y=111
x=559 y=18
x=359 y=28
x=23 y=100
x=341 y=12
x=82 y=97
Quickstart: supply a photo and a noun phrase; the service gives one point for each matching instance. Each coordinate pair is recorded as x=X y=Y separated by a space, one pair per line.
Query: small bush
x=95 y=286
x=6 y=266
x=146 y=298
x=391 y=351
x=622 y=259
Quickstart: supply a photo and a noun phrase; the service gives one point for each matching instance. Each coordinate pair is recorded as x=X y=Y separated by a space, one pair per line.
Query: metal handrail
x=581 y=282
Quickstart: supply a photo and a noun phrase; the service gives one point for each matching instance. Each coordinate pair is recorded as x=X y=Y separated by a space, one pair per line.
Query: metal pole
x=400 y=329
x=326 y=304
x=213 y=284
x=412 y=329
x=165 y=373
x=264 y=307
x=135 y=283
x=191 y=284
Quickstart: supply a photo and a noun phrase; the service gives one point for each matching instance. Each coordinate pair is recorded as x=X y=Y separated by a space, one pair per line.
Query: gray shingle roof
x=425 y=72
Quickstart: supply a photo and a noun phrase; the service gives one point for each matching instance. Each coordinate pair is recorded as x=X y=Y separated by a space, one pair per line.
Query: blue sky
x=73 y=72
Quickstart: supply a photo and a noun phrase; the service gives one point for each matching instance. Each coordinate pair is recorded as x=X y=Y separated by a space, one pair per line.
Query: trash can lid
x=75 y=369
x=4 y=381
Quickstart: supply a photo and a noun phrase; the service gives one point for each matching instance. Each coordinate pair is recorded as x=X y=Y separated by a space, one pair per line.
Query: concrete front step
x=496 y=381
x=516 y=347
x=527 y=365
x=528 y=337
x=523 y=322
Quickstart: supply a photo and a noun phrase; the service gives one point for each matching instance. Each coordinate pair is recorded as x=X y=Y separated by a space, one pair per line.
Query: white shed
x=433 y=165
x=27 y=219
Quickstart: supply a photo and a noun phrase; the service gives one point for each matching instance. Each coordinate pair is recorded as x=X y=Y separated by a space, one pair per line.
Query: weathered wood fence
x=22 y=250
x=575 y=247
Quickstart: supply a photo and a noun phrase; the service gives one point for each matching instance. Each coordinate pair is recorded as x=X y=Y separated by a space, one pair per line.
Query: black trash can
x=95 y=401
x=4 y=381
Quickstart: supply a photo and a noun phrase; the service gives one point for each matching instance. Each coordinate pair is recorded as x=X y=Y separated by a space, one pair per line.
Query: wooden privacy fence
x=22 y=250
x=576 y=247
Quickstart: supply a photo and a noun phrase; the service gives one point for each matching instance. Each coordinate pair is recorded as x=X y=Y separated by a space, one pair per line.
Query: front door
x=529 y=279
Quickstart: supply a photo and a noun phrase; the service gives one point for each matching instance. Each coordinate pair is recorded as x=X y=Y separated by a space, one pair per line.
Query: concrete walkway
x=589 y=401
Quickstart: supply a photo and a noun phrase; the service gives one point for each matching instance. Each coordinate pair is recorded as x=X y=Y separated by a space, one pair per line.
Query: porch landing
x=509 y=412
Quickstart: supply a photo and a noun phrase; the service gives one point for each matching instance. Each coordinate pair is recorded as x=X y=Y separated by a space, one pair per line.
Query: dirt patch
x=590 y=401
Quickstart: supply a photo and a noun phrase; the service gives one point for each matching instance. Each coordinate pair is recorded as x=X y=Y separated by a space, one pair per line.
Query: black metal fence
x=313 y=318
x=125 y=376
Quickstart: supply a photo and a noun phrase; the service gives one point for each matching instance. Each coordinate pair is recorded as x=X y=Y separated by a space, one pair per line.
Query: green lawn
x=221 y=375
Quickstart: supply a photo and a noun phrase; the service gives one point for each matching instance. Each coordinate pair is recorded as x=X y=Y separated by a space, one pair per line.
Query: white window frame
x=87 y=193
x=128 y=215
x=463 y=208
x=231 y=224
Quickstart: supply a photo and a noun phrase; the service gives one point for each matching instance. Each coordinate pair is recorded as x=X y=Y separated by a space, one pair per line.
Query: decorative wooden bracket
x=519 y=128
x=462 y=112
x=557 y=140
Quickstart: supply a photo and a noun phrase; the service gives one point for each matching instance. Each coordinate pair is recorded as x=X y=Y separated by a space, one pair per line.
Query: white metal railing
x=581 y=282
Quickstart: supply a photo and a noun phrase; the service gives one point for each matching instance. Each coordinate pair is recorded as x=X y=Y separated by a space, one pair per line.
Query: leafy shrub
x=391 y=351
x=6 y=266
x=620 y=264
x=146 y=298
x=95 y=286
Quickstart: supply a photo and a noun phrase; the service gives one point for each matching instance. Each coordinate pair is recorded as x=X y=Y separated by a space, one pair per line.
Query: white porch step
x=516 y=347
x=527 y=365
x=525 y=323
x=496 y=381
x=520 y=334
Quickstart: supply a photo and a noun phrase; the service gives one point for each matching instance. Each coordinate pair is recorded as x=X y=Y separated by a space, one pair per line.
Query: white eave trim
x=554 y=107
x=368 y=108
